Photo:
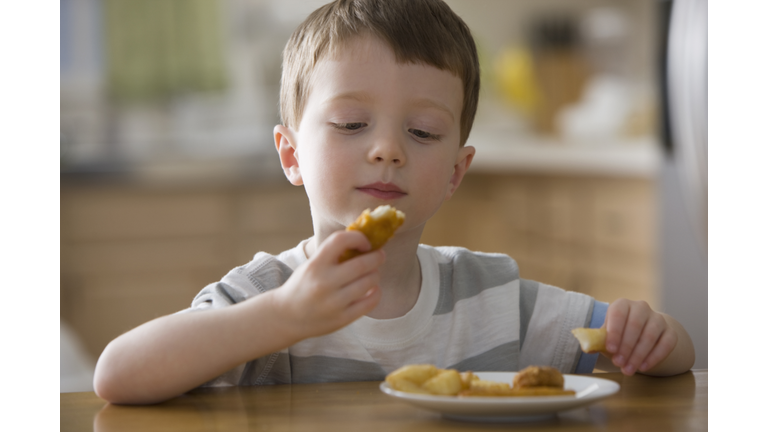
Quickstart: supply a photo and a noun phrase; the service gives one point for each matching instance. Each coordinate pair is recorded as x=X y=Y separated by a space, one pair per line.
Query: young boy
x=378 y=98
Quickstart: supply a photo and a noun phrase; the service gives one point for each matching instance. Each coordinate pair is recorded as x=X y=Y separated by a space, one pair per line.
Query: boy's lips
x=382 y=190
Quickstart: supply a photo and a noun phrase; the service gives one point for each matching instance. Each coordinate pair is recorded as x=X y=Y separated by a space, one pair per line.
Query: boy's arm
x=640 y=339
x=173 y=354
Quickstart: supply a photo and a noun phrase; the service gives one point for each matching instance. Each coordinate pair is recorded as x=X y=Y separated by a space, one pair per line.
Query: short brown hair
x=418 y=31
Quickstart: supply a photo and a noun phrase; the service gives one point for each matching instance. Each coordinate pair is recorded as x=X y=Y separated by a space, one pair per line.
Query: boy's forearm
x=681 y=358
x=173 y=354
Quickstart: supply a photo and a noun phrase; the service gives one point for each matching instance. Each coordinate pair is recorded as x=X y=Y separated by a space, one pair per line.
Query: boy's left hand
x=638 y=337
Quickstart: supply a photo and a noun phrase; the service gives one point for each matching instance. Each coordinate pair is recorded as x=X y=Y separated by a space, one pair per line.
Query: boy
x=377 y=101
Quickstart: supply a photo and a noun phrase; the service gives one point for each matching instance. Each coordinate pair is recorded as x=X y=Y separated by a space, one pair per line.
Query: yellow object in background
x=516 y=78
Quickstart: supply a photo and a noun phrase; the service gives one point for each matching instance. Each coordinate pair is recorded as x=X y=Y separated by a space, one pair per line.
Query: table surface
x=644 y=403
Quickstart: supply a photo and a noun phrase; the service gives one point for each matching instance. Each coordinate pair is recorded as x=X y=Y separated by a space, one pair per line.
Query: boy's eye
x=349 y=126
x=423 y=135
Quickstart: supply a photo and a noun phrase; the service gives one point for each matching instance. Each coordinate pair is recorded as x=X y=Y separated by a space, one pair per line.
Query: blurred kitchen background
x=169 y=177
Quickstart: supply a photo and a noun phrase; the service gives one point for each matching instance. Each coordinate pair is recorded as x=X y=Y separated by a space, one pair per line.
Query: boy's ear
x=289 y=158
x=463 y=160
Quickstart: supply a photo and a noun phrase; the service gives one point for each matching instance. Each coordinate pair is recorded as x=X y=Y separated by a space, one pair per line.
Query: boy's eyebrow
x=353 y=95
x=429 y=103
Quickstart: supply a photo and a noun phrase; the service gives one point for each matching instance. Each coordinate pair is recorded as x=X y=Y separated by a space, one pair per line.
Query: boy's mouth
x=386 y=191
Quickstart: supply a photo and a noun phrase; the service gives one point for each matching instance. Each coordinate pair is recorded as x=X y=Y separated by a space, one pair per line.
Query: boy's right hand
x=151 y=363
x=324 y=295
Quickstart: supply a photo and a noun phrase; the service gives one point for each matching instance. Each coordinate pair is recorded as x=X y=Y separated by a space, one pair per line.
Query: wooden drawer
x=105 y=214
x=102 y=307
x=140 y=256
x=282 y=209
x=624 y=215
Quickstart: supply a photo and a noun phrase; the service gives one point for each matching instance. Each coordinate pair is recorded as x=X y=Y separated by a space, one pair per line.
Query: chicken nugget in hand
x=591 y=340
x=378 y=226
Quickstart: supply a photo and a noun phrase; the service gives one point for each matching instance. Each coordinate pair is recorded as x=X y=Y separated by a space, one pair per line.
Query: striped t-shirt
x=473 y=313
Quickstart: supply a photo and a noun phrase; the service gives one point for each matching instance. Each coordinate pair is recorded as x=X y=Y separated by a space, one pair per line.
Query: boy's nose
x=387 y=150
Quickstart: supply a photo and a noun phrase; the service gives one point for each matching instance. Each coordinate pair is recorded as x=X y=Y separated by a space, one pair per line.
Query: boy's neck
x=400 y=274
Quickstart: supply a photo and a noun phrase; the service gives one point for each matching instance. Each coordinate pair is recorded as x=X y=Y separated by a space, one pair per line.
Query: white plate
x=588 y=390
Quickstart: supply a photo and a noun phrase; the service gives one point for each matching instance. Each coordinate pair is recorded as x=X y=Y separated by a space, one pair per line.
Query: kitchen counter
x=498 y=153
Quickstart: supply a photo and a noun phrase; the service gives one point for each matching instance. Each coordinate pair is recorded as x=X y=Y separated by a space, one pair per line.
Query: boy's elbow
x=103 y=387
x=116 y=382
x=106 y=383
x=109 y=386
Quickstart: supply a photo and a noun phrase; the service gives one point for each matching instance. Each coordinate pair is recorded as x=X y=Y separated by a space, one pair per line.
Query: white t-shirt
x=473 y=313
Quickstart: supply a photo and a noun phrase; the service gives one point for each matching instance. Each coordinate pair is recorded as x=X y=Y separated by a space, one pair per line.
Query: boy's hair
x=418 y=31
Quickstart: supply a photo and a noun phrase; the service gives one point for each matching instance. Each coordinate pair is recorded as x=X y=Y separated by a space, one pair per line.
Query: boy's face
x=376 y=132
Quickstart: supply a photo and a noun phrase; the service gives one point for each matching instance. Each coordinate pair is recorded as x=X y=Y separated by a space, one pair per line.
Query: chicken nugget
x=417 y=374
x=538 y=376
x=378 y=226
x=467 y=378
x=479 y=387
x=591 y=340
x=446 y=383
x=407 y=386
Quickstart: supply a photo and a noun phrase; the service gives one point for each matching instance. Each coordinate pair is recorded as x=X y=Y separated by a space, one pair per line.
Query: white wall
x=683 y=266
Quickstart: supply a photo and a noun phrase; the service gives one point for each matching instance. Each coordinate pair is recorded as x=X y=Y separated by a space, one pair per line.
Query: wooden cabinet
x=131 y=253
x=593 y=235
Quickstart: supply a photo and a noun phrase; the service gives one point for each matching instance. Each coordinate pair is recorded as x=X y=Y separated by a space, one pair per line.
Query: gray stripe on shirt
x=228 y=293
x=266 y=370
x=588 y=319
x=474 y=276
x=266 y=277
x=529 y=291
x=502 y=358
x=317 y=369
x=265 y=272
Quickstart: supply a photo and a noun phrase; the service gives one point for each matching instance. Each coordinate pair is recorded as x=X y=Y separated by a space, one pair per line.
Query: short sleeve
x=548 y=337
x=262 y=274
x=257 y=277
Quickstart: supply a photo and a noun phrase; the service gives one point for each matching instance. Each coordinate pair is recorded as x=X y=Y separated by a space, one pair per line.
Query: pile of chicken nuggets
x=430 y=380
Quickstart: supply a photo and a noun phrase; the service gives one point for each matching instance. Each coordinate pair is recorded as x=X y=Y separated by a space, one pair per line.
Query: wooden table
x=643 y=404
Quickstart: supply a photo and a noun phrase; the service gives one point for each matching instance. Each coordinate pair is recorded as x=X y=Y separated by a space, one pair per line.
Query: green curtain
x=157 y=49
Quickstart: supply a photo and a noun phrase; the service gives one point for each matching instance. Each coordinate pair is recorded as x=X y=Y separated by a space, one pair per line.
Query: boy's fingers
x=636 y=320
x=360 y=265
x=340 y=241
x=650 y=335
x=664 y=346
x=358 y=288
x=363 y=305
x=615 y=320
